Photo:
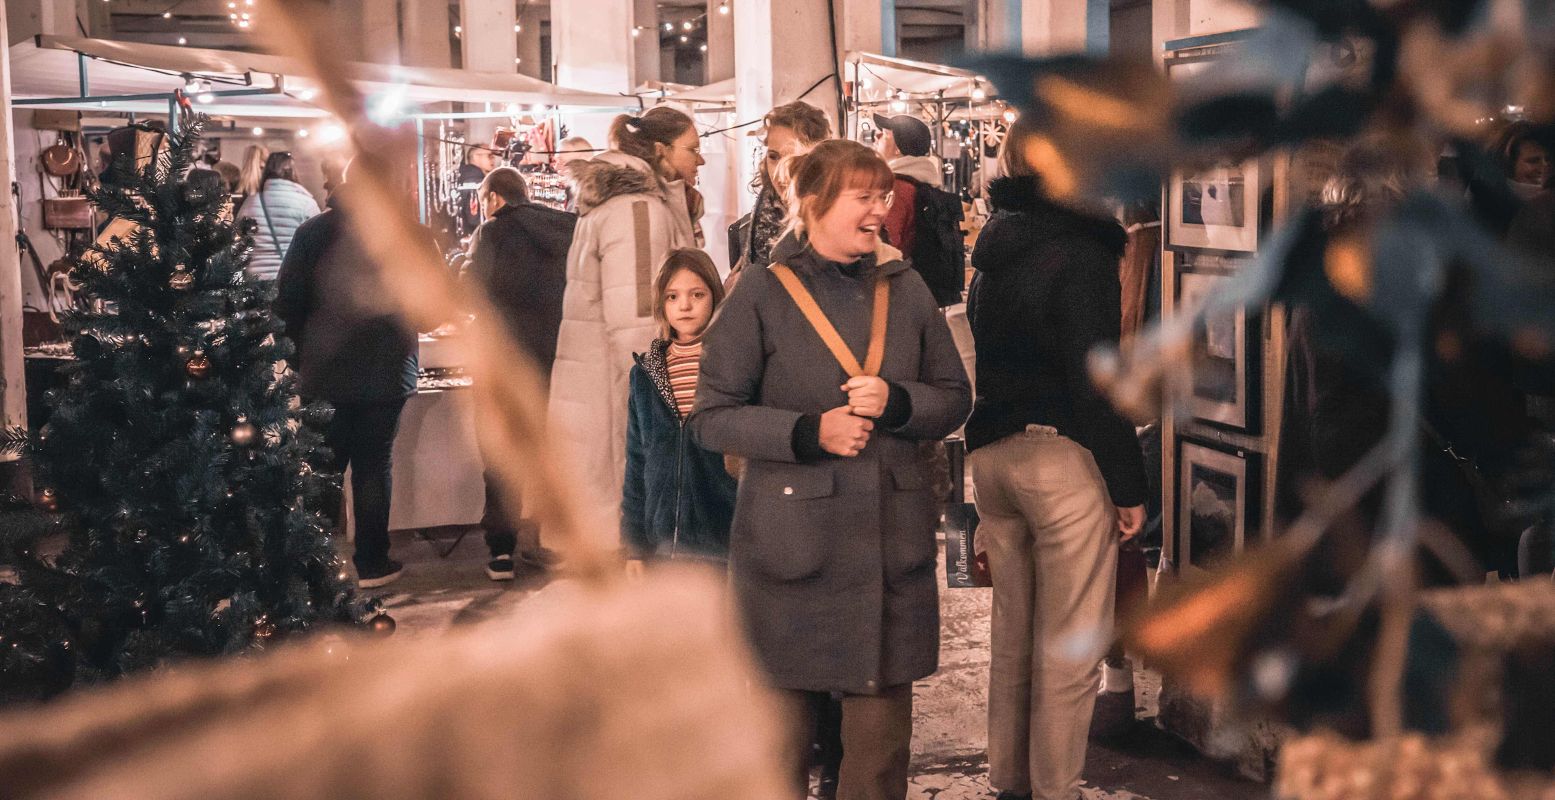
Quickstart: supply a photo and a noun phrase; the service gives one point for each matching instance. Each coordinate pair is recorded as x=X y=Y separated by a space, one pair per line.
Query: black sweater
x=1046 y=293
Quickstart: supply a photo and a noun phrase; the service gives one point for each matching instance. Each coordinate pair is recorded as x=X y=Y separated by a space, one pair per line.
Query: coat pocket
x=909 y=544
x=790 y=522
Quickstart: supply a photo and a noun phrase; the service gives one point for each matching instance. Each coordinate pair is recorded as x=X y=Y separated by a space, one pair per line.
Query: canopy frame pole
x=127 y=98
x=421 y=168
x=172 y=115
x=81 y=73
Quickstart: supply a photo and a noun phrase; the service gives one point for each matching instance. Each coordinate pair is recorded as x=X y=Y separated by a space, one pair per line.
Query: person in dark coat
x=1059 y=474
x=832 y=551
x=789 y=129
x=678 y=499
x=356 y=352
x=518 y=257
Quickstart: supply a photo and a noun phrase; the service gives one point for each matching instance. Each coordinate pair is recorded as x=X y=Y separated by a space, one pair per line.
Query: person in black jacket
x=1059 y=475
x=678 y=499
x=356 y=352
x=518 y=257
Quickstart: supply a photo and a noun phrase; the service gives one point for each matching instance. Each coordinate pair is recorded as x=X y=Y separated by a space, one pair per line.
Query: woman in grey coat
x=832 y=551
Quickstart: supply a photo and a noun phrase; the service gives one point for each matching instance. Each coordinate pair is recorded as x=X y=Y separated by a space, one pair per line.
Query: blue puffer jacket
x=288 y=205
x=678 y=500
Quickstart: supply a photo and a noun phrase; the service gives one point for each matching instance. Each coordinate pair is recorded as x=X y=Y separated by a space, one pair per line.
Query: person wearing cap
x=924 y=221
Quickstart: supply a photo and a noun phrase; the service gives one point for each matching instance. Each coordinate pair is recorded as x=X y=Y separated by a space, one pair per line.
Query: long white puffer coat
x=630 y=219
x=288 y=205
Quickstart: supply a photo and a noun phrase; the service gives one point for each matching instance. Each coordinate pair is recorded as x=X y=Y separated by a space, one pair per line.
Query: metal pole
x=81 y=72
x=172 y=115
x=421 y=167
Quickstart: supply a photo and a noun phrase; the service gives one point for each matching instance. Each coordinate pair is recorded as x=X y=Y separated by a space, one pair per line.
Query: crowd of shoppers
x=779 y=424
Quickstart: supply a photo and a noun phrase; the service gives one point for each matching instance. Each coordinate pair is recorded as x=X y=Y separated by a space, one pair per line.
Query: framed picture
x=1221 y=382
x=1217 y=503
x=1215 y=209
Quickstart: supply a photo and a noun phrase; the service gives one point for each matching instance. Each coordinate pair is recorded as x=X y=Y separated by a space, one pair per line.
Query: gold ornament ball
x=198 y=367
x=382 y=625
x=243 y=434
x=181 y=280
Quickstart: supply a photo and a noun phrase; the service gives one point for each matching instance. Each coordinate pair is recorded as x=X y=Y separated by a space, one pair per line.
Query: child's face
x=688 y=305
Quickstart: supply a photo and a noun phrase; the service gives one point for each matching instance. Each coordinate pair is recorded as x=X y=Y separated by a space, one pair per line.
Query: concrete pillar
x=425 y=32
x=1219 y=16
x=782 y=47
x=862 y=26
x=720 y=40
x=381 y=31
x=1044 y=27
x=1168 y=21
x=29 y=18
x=489 y=44
x=13 y=383
x=645 y=46
x=592 y=44
x=529 y=41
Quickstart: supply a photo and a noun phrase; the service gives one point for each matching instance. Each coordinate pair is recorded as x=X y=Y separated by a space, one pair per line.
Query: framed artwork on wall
x=1215 y=209
x=1217 y=503
x=1220 y=383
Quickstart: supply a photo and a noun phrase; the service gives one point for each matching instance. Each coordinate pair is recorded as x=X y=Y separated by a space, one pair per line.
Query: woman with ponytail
x=632 y=206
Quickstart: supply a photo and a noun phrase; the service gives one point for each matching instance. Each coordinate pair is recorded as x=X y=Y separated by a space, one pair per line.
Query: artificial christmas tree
x=182 y=466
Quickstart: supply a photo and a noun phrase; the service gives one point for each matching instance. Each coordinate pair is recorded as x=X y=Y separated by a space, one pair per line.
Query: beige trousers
x=1052 y=539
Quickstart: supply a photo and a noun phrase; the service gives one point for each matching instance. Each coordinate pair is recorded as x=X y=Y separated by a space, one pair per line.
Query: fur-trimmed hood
x=612 y=174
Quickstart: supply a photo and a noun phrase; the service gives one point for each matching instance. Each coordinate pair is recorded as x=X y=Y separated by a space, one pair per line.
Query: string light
x=182 y=40
x=167 y=15
x=684 y=38
x=687 y=25
x=704 y=47
x=979 y=95
x=669 y=26
x=302 y=133
x=636 y=32
x=259 y=131
x=723 y=8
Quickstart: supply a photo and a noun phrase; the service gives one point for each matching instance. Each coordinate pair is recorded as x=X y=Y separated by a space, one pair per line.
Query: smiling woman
x=832 y=547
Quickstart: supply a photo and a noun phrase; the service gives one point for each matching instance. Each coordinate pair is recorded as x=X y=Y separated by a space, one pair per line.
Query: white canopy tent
x=94 y=75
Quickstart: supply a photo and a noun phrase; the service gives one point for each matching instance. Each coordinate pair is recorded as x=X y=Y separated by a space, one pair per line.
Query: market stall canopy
x=714 y=97
x=95 y=74
x=885 y=75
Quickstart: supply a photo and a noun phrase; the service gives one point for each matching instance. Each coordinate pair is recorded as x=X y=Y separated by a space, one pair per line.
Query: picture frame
x=1220 y=384
x=1216 y=209
x=1218 y=503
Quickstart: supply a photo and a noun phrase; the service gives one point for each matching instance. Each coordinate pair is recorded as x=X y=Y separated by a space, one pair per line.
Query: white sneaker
x=1117 y=680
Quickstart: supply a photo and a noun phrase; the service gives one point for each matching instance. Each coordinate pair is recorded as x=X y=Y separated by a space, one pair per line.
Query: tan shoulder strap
x=828 y=333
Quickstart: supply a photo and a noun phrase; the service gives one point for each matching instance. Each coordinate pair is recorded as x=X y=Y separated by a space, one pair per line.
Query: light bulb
x=167 y=15
x=243 y=23
x=458 y=29
x=669 y=26
x=518 y=61
x=1009 y=116
x=703 y=48
x=302 y=133
x=244 y=15
x=687 y=25
x=512 y=109
x=898 y=106
x=636 y=32
x=517 y=28
x=206 y=98
x=723 y=8
x=182 y=40
x=306 y=94
x=979 y=94
x=684 y=38
x=332 y=133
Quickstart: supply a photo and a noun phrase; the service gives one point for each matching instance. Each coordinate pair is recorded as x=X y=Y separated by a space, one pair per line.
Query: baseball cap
x=910 y=133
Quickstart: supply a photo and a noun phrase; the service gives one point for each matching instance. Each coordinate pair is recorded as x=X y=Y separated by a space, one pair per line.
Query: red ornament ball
x=382 y=625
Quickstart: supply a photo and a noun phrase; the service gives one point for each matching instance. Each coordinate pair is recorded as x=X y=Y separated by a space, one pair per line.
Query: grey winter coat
x=832 y=559
x=288 y=205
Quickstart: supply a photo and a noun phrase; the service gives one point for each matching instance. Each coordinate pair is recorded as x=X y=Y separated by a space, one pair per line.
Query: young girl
x=678 y=499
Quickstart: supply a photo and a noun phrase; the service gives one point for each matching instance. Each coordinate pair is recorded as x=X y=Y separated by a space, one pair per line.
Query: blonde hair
x=252 y=174
x=685 y=259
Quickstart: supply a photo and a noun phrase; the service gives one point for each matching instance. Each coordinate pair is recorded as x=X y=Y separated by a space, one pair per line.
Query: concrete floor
x=949 y=738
